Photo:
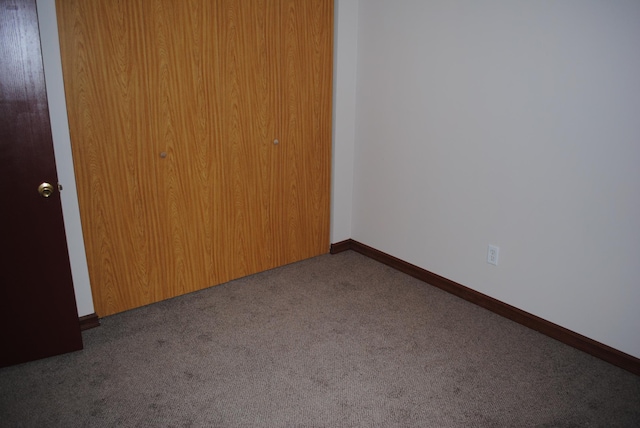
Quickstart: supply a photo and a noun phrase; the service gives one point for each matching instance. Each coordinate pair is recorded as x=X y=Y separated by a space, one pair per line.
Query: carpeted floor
x=334 y=341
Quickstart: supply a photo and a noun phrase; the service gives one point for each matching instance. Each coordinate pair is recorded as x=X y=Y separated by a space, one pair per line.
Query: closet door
x=306 y=98
x=175 y=109
x=249 y=109
x=183 y=107
x=144 y=96
x=109 y=90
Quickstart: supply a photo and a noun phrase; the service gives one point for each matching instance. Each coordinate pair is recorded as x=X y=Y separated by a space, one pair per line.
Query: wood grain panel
x=173 y=110
x=106 y=90
x=180 y=37
x=249 y=108
x=307 y=45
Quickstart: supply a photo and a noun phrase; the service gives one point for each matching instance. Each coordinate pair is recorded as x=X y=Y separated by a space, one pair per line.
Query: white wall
x=62 y=148
x=515 y=123
x=344 y=116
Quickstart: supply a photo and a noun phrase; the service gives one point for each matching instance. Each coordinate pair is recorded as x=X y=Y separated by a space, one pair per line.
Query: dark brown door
x=38 y=315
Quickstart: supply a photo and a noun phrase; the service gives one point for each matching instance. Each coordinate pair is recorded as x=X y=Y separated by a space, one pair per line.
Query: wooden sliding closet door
x=110 y=95
x=306 y=103
x=249 y=114
x=174 y=108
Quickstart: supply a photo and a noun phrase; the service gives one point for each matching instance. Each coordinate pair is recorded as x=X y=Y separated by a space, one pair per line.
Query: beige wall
x=514 y=123
x=344 y=116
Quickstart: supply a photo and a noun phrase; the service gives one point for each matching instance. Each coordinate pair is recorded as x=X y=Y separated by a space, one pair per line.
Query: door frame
x=62 y=149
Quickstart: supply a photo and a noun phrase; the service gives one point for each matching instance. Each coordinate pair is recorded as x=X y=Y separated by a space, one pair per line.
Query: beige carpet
x=334 y=341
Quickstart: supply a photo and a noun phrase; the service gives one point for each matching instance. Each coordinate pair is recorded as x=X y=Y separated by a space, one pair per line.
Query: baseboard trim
x=571 y=338
x=89 y=321
x=341 y=246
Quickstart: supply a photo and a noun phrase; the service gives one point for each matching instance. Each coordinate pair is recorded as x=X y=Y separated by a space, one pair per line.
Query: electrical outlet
x=492 y=254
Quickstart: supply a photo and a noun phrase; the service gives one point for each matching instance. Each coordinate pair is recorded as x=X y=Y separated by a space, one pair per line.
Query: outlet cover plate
x=492 y=254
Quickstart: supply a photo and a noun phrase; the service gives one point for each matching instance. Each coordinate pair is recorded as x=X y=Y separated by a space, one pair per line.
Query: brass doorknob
x=45 y=190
